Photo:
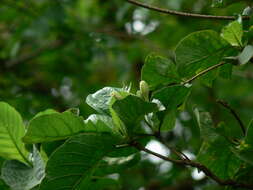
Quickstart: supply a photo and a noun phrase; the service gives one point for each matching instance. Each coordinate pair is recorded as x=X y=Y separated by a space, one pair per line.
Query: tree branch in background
x=32 y=55
x=197 y=165
x=185 y=14
x=233 y=112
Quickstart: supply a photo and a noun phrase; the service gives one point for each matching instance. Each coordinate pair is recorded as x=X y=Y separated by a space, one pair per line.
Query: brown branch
x=199 y=166
x=185 y=14
x=233 y=112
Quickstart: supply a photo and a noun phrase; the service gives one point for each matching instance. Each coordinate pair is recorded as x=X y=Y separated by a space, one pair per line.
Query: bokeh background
x=53 y=53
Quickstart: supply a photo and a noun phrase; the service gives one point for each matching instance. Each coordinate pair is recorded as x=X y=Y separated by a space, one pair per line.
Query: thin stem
x=233 y=112
x=199 y=166
x=203 y=72
x=185 y=14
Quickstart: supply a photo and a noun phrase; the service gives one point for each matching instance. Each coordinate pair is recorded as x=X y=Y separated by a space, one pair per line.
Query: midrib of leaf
x=238 y=41
x=209 y=55
x=15 y=144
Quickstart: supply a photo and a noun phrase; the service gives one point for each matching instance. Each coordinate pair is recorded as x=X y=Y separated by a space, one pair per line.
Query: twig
x=180 y=154
x=233 y=112
x=185 y=14
x=199 y=166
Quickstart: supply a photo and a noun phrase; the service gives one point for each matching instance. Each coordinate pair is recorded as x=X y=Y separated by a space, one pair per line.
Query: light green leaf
x=75 y=161
x=132 y=109
x=158 y=70
x=22 y=177
x=233 y=33
x=246 y=55
x=53 y=127
x=199 y=51
x=11 y=132
x=100 y=100
x=99 y=124
x=172 y=96
x=46 y=112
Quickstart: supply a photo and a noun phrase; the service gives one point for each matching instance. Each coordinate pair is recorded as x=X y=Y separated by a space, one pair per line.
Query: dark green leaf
x=132 y=109
x=199 y=51
x=53 y=127
x=110 y=165
x=75 y=161
x=159 y=71
x=172 y=96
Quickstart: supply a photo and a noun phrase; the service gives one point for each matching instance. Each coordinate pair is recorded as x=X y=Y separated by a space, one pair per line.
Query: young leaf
x=100 y=100
x=172 y=96
x=132 y=109
x=53 y=127
x=75 y=161
x=233 y=33
x=159 y=71
x=12 y=130
x=22 y=177
x=99 y=124
x=246 y=55
x=199 y=51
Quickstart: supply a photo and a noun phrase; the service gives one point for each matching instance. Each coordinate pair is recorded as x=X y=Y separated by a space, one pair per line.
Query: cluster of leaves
x=65 y=151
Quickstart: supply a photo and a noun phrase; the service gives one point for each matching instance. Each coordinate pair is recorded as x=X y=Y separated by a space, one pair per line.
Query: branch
x=199 y=166
x=185 y=14
x=233 y=112
x=32 y=55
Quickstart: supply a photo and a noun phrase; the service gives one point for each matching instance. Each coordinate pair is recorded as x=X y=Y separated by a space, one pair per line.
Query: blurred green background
x=53 y=53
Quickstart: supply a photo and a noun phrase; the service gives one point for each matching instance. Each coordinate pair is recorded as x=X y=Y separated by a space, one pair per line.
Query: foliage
x=74 y=149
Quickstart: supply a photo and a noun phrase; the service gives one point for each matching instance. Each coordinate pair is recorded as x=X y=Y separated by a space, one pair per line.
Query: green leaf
x=172 y=96
x=53 y=127
x=99 y=124
x=219 y=158
x=215 y=152
x=233 y=33
x=110 y=165
x=132 y=109
x=205 y=122
x=22 y=177
x=169 y=121
x=246 y=55
x=12 y=130
x=100 y=100
x=199 y=51
x=100 y=184
x=75 y=161
x=46 y=112
x=158 y=70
